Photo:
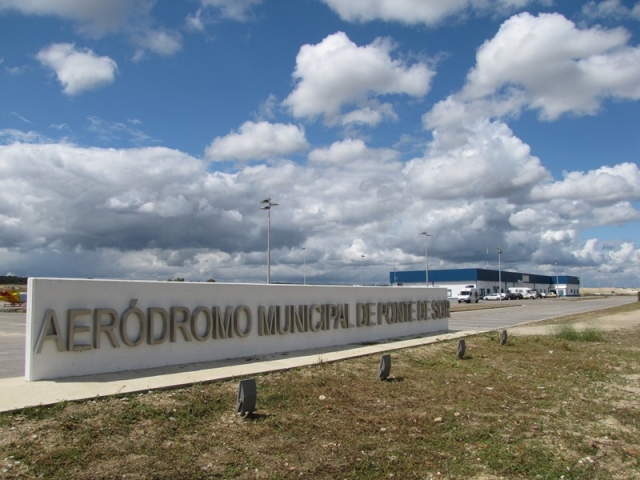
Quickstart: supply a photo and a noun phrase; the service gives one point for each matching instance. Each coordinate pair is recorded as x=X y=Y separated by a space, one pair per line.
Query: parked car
x=493 y=296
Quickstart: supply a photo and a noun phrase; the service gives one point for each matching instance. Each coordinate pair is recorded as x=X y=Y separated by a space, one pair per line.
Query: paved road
x=529 y=311
x=12 y=338
x=13 y=325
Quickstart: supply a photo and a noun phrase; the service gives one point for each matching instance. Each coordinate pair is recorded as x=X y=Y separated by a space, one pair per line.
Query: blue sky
x=138 y=136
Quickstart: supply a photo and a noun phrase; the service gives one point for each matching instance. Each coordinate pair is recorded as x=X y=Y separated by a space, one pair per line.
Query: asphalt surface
x=525 y=311
x=13 y=327
x=13 y=324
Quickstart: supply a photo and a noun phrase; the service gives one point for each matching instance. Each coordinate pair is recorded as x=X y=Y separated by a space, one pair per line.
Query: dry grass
x=539 y=407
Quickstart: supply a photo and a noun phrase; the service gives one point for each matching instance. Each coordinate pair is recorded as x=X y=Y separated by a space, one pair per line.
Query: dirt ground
x=610 y=290
x=619 y=321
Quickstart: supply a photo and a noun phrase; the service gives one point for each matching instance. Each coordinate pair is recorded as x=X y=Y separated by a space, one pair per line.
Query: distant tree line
x=12 y=280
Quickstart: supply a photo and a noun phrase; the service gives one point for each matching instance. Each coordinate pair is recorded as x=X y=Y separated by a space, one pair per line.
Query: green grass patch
x=568 y=331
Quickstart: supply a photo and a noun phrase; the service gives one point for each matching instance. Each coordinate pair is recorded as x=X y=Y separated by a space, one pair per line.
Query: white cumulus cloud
x=604 y=185
x=557 y=67
x=619 y=213
x=327 y=81
x=77 y=70
x=258 y=140
x=429 y=12
x=487 y=161
x=350 y=151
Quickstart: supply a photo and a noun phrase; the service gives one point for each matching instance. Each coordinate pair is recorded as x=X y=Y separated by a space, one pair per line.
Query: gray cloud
x=94 y=17
x=159 y=213
x=411 y=12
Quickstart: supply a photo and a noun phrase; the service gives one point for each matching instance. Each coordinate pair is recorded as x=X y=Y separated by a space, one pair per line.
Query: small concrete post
x=385 y=367
x=461 y=348
x=247 y=393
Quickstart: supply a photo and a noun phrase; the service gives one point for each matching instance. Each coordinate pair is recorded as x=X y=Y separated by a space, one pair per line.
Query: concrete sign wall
x=83 y=327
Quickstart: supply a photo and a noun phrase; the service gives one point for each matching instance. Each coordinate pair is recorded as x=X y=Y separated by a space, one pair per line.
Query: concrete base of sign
x=17 y=393
x=87 y=327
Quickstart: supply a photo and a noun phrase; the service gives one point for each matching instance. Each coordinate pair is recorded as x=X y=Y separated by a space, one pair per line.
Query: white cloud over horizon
x=169 y=216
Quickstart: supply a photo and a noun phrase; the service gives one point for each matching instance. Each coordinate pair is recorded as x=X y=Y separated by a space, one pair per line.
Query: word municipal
x=86 y=328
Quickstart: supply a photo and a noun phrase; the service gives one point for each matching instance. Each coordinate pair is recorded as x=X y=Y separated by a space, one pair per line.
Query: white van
x=468 y=295
x=526 y=292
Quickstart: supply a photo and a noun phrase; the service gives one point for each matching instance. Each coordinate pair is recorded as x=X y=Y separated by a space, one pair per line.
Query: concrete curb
x=16 y=393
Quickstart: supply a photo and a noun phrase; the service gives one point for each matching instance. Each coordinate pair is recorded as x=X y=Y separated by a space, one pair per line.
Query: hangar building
x=488 y=281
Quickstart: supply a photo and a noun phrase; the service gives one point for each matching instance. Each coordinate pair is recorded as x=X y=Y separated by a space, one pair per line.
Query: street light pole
x=499 y=249
x=556 y=263
x=304 y=252
x=267 y=206
x=361 y=270
x=426 y=251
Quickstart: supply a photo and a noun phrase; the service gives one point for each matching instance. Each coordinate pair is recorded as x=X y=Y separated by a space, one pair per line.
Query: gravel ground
x=619 y=321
